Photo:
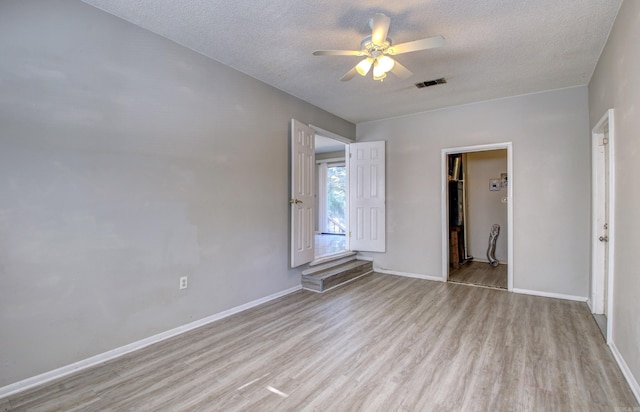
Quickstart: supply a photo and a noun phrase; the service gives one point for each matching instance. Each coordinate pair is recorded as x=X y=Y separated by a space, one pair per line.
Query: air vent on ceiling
x=431 y=83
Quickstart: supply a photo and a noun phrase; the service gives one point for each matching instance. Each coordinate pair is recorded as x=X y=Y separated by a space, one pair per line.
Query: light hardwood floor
x=480 y=273
x=380 y=343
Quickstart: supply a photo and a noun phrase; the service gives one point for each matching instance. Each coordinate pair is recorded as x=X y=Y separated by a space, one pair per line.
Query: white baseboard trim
x=590 y=305
x=633 y=383
x=408 y=275
x=123 y=350
x=550 y=294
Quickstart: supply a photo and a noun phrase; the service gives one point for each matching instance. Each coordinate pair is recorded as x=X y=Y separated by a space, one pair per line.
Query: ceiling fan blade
x=379 y=29
x=401 y=71
x=349 y=75
x=338 y=53
x=423 y=44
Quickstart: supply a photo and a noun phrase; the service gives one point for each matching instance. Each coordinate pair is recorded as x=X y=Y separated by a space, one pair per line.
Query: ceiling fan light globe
x=377 y=71
x=364 y=66
x=386 y=63
x=379 y=76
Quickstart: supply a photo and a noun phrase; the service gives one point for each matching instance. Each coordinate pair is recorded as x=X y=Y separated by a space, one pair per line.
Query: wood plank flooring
x=380 y=343
x=601 y=321
x=480 y=273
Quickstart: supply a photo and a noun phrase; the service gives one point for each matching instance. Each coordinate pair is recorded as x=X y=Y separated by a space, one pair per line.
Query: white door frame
x=606 y=124
x=331 y=135
x=321 y=177
x=445 y=208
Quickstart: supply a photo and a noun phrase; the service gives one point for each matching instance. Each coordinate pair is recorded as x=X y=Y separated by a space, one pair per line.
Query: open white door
x=302 y=193
x=603 y=225
x=367 y=203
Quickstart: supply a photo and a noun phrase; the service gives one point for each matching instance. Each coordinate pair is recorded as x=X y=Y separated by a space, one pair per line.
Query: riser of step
x=335 y=276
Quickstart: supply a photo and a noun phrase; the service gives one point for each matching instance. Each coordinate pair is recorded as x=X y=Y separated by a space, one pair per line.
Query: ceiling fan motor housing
x=366 y=45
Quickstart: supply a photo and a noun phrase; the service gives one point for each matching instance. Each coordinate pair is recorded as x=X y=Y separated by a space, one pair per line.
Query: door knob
x=604 y=238
x=295 y=201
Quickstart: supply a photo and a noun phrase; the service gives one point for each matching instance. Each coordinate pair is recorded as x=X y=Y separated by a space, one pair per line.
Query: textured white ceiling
x=494 y=48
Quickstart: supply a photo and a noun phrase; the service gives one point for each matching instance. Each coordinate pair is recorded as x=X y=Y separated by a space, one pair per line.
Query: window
x=336 y=180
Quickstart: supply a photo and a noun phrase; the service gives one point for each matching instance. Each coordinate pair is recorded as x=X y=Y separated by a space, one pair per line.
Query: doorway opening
x=477 y=215
x=331 y=197
x=602 y=226
x=365 y=194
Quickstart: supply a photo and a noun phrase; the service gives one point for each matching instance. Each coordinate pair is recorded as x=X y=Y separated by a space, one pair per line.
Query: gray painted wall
x=127 y=161
x=551 y=184
x=485 y=207
x=616 y=84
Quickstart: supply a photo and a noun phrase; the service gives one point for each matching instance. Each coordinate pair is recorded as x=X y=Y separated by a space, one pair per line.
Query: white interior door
x=601 y=232
x=604 y=236
x=302 y=193
x=603 y=181
x=367 y=202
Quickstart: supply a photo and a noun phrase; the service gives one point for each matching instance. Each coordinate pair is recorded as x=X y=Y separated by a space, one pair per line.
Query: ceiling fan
x=377 y=50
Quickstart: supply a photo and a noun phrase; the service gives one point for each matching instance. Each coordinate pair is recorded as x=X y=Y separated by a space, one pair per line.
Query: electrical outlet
x=183 y=282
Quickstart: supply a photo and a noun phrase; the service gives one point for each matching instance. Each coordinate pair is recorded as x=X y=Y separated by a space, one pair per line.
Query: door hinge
x=605 y=140
x=349 y=233
x=349 y=155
